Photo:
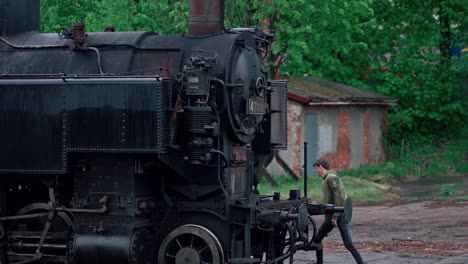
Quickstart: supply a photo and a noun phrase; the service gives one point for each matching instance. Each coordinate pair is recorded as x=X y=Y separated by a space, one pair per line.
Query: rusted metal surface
x=78 y=32
x=206 y=17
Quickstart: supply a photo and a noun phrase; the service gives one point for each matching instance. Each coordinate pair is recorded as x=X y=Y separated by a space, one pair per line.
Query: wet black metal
x=305 y=169
x=274 y=127
x=103 y=249
x=322 y=209
x=19 y=16
x=139 y=134
x=348 y=209
x=80 y=113
x=29 y=114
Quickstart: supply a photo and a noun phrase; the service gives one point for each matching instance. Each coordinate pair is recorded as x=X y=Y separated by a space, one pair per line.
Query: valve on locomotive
x=77 y=34
x=200 y=123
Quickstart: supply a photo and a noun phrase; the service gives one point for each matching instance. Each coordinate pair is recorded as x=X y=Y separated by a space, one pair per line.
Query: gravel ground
x=422 y=232
x=416 y=233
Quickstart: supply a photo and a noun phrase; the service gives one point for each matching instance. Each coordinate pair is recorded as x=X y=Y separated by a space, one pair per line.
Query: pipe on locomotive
x=206 y=17
x=305 y=169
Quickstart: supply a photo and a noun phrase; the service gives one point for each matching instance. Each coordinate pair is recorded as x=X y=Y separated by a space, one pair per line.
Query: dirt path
x=416 y=232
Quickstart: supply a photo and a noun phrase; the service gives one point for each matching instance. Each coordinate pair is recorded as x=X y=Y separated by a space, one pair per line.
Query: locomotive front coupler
x=323 y=209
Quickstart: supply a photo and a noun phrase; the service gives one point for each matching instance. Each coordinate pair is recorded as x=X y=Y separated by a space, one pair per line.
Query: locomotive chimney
x=17 y=16
x=206 y=17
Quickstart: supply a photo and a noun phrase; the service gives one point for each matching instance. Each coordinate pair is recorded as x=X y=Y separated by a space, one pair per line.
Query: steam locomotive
x=132 y=147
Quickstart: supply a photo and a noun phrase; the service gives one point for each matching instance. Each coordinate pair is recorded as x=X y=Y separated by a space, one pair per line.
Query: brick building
x=341 y=123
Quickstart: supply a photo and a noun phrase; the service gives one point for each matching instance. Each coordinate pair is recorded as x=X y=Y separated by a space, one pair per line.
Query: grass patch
x=367 y=191
x=287 y=183
x=358 y=189
x=461 y=167
x=446 y=190
x=363 y=184
x=448 y=158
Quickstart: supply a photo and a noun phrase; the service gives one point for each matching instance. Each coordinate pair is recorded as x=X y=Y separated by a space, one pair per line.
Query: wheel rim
x=65 y=219
x=190 y=244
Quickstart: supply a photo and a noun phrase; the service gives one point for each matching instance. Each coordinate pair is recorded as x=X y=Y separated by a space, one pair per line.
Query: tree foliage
x=162 y=17
x=410 y=53
x=398 y=48
x=320 y=38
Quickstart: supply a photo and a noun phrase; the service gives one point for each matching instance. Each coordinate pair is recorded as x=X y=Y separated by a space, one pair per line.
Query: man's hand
x=334 y=222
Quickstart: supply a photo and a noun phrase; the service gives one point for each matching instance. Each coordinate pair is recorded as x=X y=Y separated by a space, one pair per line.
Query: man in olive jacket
x=333 y=193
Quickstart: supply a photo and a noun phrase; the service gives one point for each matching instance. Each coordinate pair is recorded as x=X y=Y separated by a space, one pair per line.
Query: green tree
x=58 y=13
x=410 y=56
x=162 y=17
x=320 y=38
x=396 y=47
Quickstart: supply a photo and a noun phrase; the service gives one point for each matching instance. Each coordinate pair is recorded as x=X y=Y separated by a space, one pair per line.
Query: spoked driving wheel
x=190 y=244
x=39 y=231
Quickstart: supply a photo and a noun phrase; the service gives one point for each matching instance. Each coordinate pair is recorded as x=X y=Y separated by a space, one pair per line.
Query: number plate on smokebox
x=256 y=106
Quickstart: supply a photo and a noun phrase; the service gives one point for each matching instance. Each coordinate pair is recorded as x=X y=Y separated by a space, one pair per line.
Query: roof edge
x=351 y=103
x=298 y=98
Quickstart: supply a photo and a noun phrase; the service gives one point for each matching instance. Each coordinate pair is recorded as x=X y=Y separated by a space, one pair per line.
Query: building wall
x=377 y=129
x=358 y=135
x=292 y=156
x=348 y=136
x=340 y=158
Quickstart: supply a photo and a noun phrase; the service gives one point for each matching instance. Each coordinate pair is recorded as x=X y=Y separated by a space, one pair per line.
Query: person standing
x=333 y=193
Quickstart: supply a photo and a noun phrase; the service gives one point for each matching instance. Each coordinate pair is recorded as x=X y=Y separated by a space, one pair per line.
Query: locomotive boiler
x=133 y=147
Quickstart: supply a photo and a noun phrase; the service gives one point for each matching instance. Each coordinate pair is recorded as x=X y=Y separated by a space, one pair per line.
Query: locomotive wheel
x=39 y=233
x=190 y=244
x=65 y=219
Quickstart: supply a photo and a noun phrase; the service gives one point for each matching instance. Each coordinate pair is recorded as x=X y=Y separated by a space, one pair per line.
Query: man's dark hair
x=322 y=162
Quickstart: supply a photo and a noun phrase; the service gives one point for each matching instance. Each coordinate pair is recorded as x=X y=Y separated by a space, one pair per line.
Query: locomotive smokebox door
x=244 y=93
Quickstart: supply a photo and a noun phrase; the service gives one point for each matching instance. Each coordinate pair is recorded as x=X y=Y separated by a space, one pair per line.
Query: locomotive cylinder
x=89 y=249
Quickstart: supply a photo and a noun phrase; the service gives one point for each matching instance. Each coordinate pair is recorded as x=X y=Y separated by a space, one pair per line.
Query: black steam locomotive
x=131 y=147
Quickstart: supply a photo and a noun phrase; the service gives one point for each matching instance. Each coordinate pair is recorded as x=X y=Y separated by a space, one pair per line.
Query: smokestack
x=17 y=16
x=206 y=17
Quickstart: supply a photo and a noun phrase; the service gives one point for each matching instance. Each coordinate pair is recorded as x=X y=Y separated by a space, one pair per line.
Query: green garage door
x=312 y=141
